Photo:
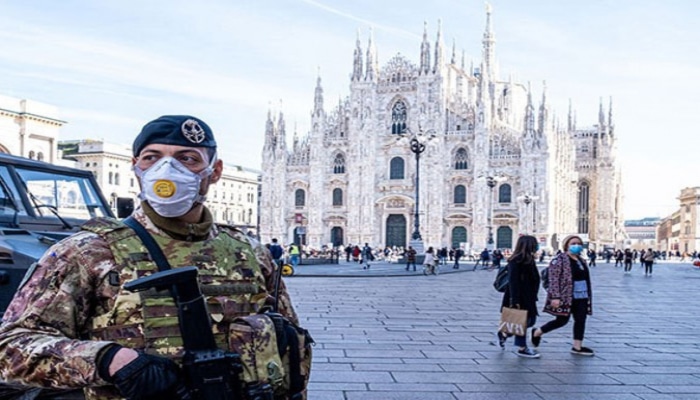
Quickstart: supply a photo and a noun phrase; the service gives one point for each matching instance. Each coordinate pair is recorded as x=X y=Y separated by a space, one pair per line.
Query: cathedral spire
x=270 y=137
x=570 y=119
x=529 y=115
x=542 y=120
x=462 y=59
x=601 y=116
x=453 y=61
x=295 y=138
x=489 y=51
x=281 y=130
x=357 y=60
x=610 y=117
x=439 y=61
x=424 y=51
x=372 y=66
x=318 y=97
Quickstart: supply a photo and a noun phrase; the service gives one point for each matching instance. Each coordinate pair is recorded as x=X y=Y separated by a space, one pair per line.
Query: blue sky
x=111 y=66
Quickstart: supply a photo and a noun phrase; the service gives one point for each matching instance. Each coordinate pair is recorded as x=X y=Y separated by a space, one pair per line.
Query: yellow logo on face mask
x=164 y=188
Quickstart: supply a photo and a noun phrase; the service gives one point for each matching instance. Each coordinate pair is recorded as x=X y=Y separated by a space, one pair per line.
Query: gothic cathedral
x=471 y=155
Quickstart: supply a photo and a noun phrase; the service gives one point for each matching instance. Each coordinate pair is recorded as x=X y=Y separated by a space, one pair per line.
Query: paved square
x=428 y=337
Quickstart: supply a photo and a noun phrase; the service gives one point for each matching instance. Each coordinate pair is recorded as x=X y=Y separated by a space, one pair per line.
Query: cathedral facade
x=490 y=161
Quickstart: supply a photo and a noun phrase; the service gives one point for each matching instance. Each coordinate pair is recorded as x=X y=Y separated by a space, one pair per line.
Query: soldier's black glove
x=150 y=377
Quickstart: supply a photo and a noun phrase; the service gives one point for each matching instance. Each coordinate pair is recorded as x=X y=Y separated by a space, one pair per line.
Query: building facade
x=641 y=234
x=353 y=178
x=680 y=231
x=29 y=129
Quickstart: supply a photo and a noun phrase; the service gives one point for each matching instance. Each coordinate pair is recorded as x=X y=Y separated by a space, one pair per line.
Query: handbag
x=513 y=321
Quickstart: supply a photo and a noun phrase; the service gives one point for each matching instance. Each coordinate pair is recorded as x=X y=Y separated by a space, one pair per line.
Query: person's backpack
x=502 y=279
x=544 y=277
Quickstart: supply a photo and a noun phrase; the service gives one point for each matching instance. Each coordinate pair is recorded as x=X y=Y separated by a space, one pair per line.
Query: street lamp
x=527 y=199
x=491 y=182
x=417 y=145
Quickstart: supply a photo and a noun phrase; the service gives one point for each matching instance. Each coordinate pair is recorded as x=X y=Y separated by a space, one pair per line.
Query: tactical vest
x=229 y=275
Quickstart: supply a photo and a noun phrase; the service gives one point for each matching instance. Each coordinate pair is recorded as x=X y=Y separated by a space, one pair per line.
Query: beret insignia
x=192 y=131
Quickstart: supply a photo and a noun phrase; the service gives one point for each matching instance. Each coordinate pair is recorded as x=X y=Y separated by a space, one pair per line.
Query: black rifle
x=211 y=373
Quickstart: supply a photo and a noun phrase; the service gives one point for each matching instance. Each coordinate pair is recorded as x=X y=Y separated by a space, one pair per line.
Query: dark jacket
x=276 y=251
x=524 y=283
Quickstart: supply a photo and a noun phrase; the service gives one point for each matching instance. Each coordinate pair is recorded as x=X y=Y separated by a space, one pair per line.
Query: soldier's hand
x=149 y=377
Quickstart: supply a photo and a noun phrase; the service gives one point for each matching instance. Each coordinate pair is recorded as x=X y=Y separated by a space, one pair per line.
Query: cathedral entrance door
x=396 y=230
x=504 y=238
x=300 y=235
x=337 y=236
x=459 y=235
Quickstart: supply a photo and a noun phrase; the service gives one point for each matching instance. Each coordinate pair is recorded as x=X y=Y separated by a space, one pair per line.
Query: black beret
x=181 y=130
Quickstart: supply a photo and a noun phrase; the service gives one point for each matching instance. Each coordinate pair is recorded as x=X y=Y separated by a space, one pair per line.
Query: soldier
x=71 y=323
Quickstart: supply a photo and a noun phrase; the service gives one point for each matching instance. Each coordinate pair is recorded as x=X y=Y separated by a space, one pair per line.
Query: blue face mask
x=575 y=249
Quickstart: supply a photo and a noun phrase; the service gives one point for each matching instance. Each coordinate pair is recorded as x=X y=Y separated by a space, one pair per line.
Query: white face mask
x=170 y=188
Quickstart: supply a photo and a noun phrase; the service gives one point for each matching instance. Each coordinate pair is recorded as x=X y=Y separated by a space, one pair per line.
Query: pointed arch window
x=399 y=116
x=299 y=198
x=396 y=168
x=339 y=164
x=460 y=194
x=111 y=178
x=337 y=197
x=461 y=159
x=504 y=193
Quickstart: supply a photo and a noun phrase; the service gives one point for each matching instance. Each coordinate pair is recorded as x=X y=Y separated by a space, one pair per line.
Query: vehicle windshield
x=69 y=196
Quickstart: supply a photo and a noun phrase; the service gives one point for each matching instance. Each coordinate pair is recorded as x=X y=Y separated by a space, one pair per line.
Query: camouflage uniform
x=73 y=305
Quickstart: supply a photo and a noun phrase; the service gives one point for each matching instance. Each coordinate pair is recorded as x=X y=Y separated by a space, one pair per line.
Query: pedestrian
x=628 y=258
x=591 y=258
x=523 y=285
x=458 y=253
x=276 y=251
x=72 y=324
x=484 y=258
x=648 y=262
x=430 y=262
x=569 y=292
x=619 y=257
x=348 y=252
x=366 y=256
x=496 y=257
x=294 y=254
x=356 y=253
x=410 y=258
x=443 y=255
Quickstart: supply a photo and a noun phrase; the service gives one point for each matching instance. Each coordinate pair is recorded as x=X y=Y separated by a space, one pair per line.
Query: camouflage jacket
x=45 y=339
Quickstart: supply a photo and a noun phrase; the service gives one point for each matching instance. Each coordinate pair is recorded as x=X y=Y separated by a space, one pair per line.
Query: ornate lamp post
x=417 y=148
x=527 y=199
x=491 y=183
x=417 y=145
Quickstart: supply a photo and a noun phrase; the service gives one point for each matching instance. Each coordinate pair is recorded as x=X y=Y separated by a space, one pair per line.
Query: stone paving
x=429 y=337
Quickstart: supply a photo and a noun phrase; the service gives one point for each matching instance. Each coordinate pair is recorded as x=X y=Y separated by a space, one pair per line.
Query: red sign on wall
x=298 y=218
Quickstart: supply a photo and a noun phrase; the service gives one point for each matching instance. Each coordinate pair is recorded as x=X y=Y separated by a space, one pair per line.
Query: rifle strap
x=153 y=249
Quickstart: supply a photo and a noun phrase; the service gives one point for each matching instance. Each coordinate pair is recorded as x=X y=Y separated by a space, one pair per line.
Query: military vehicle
x=40 y=204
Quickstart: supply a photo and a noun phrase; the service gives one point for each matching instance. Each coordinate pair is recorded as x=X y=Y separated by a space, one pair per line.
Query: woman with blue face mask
x=569 y=293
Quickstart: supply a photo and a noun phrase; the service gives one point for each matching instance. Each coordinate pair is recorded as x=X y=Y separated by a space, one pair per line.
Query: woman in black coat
x=524 y=283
